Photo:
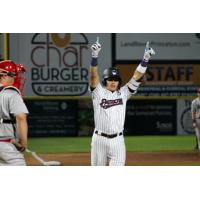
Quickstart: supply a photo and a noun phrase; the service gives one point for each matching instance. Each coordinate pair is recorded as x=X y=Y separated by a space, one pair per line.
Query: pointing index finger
x=97 y=40
x=147 y=45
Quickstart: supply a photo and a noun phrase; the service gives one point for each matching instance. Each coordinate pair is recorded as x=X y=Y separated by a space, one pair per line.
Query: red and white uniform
x=11 y=104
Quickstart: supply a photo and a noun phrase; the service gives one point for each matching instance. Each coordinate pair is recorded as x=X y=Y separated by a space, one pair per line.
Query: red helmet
x=20 y=69
x=9 y=68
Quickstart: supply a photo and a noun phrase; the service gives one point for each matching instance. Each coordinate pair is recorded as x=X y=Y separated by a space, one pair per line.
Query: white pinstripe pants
x=108 y=151
x=9 y=155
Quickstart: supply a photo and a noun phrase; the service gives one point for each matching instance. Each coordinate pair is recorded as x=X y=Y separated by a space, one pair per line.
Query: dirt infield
x=163 y=158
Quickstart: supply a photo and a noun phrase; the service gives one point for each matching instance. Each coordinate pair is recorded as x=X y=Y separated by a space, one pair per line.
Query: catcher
x=109 y=103
x=13 y=114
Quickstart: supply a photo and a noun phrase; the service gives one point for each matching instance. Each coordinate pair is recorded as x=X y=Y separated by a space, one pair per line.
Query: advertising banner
x=85 y=117
x=165 y=79
x=168 y=46
x=58 y=64
x=184 y=117
x=52 y=118
x=151 y=117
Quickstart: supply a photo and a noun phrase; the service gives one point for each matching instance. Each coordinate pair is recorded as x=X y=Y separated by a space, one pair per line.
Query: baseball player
x=13 y=114
x=109 y=103
x=195 y=110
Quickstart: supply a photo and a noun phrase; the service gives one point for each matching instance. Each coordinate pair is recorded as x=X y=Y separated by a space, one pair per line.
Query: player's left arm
x=140 y=71
x=19 y=111
x=22 y=126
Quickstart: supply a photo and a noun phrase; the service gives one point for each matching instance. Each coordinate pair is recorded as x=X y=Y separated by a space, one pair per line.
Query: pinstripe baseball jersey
x=110 y=109
x=195 y=107
x=12 y=103
x=109 y=117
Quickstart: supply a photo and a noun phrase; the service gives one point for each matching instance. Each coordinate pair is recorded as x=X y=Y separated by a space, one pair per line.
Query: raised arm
x=94 y=75
x=141 y=69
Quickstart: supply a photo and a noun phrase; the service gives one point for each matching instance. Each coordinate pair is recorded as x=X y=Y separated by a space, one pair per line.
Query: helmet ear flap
x=120 y=83
x=104 y=82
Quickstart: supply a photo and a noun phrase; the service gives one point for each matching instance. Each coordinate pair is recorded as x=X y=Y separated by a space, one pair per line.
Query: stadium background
x=158 y=118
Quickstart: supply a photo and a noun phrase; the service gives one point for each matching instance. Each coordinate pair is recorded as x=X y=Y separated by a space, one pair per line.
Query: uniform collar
x=111 y=91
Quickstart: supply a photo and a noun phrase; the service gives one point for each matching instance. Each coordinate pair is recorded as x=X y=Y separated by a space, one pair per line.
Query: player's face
x=112 y=84
x=8 y=80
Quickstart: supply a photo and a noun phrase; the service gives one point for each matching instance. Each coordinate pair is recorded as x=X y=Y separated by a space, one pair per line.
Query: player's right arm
x=94 y=75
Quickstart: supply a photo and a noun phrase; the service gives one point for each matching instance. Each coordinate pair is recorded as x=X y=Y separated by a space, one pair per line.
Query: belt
x=7 y=121
x=107 y=135
x=5 y=140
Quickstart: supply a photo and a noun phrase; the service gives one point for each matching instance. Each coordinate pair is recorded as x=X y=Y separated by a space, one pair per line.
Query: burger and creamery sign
x=58 y=65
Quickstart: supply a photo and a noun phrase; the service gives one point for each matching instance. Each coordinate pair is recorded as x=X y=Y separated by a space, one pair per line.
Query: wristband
x=94 y=62
x=144 y=63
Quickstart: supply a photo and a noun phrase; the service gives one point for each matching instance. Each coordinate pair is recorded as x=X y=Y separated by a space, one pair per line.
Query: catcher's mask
x=111 y=73
x=9 y=68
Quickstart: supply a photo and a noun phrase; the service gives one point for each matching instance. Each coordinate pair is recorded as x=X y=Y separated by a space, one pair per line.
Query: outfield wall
x=74 y=116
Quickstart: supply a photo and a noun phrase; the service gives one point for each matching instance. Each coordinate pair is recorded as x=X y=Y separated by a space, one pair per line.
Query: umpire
x=13 y=114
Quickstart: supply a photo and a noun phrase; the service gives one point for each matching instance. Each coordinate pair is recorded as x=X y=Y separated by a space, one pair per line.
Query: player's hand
x=20 y=146
x=194 y=124
x=96 y=48
x=148 y=52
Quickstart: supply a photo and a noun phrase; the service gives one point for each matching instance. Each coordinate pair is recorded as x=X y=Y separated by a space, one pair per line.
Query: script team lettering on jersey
x=109 y=103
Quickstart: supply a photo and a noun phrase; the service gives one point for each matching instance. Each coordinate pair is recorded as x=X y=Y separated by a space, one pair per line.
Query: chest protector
x=12 y=119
